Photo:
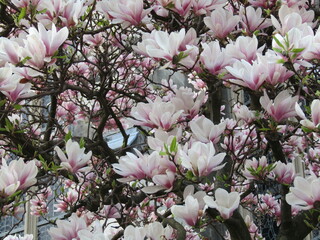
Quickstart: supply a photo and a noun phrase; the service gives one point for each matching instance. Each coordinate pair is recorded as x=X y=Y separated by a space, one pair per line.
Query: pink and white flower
x=201 y=159
x=206 y=131
x=315 y=115
x=226 y=203
x=221 y=22
x=282 y=107
x=68 y=229
x=76 y=160
x=125 y=12
x=283 y=173
x=304 y=193
x=189 y=212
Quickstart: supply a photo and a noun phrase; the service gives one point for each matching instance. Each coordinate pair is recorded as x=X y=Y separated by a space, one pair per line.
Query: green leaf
x=82 y=143
x=60 y=57
x=68 y=136
x=162 y=153
x=23 y=61
x=278 y=42
x=3 y=102
x=42 y=11
x=281 y=61
x=173 y=145
x=17 y=107
x=278 y=50
x=297 y=50
x=189 y=175
x=306 y=130
x=22 y=14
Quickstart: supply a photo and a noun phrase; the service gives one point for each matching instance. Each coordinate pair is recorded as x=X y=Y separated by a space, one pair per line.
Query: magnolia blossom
x=304 y=193
x=162 y=45
x=189 y=212
x=76 y=160
x=275 y=73
x=291 y=18
x=226 y=203
x=182 y=7
x=244 y=49
x=52 y=39
x=8 y=79
x=252 y=20
x=153 y=230
x=201 y=159
x=148 y=114
x=126 y=12
x=141 y=166
x=256 y=169
x=242 y=112
x=206 y=131
x=213 y=57
x=282 y=107
x=315 y=115
x=283 y=173
x=247 y=75
x=68 y=229
x=18 y=175
x=67 y=11
x=15 y=237
x=299 y=39
x=184 y=100
x=162 y=137
x=21 y=91
x=206 y=6
x=9 y=51
x=221 y=22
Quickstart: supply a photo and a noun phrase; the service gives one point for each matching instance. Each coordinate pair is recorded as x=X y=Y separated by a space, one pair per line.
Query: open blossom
x=244 y=49
x=126 y=12
x=221 y=22
x=201 y=159
x=283 y=173
x=15 y=237
x=162 y=137
x=252 y=20
x=243 y=113
x=76 y=160
x=256 y=169
x=153 y=230
x=162 y=45
x=68 y=12
x=140 y=166
x=200 y=7
x=282 y=107
x=189 y=212
x=295 y=38
x=8 y=79
x=184 y=100
x=226 y=203
x=292 y=18
x=247 y=75
x=18 y=175
x=9 y=51
x=52 y=39
x=275 y=73
x=68 y=229
x=304 y=193
x=22 y=90
x=213 y=57
x=206 y=131
x=156 y=114
x=315 y=115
